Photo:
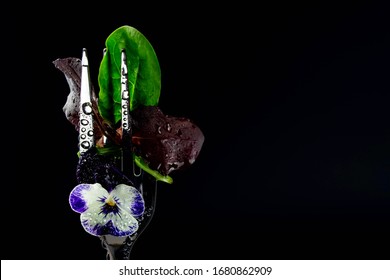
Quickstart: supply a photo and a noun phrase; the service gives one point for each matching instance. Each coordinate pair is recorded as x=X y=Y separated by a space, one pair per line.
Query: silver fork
x=117 y=247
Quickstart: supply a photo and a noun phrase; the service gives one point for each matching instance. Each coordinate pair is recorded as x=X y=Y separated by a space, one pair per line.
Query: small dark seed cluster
x=96 y=168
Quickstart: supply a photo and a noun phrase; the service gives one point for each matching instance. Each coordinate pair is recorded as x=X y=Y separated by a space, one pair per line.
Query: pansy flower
x=107 y=200
x=102 y=212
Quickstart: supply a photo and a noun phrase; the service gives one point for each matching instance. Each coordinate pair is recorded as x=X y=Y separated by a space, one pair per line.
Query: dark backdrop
x=293 y=100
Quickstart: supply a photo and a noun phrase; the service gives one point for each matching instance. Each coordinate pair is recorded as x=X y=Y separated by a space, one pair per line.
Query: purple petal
x=85 y=195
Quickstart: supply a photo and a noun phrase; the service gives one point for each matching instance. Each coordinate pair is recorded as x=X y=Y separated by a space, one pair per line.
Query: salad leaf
x=157 y=175
x=166 y=143
x=71 y=68
x=144 y=73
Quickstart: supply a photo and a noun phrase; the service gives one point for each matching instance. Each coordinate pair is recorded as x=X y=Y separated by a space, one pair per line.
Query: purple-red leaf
x=166 y=142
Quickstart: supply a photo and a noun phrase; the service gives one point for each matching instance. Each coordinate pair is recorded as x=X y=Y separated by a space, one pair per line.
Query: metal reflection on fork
x=117 y=247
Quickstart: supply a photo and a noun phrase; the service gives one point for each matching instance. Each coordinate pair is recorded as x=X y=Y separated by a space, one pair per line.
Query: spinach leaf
x=144 y=73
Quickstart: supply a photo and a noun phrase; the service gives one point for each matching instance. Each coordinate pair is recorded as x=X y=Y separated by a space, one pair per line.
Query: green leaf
x=144 y=73
x=158 y=176
x=116 y=151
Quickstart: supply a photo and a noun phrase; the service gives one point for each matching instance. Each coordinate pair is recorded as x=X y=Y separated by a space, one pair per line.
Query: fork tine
x=126 y=117
x=86 y=133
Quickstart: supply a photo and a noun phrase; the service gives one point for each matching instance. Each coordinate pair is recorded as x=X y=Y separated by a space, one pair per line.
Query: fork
x=117 y=247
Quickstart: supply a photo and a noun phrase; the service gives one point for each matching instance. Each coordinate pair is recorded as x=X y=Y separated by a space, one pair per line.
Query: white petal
x=129 y=198
x=97 y=223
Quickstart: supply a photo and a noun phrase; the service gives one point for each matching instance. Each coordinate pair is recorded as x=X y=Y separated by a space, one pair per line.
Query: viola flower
x=107 y=213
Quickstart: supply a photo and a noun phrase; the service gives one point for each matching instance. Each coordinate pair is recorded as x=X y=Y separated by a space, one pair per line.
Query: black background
x=293 y=100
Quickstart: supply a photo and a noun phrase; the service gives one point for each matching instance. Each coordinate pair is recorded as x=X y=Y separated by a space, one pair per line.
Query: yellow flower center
x=110 y=201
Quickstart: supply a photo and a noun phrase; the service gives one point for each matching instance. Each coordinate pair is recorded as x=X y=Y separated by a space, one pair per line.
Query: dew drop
x=84 y=122
x=125 y=94
x=85 y=144
x=90 y=133
x=87 y=108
